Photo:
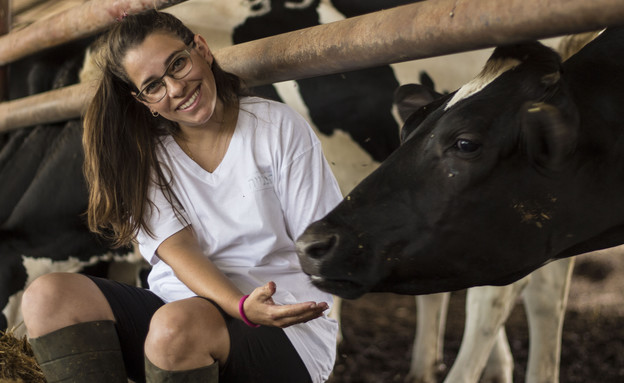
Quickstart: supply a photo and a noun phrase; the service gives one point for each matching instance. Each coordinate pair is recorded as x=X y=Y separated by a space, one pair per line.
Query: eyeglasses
x=156 y=90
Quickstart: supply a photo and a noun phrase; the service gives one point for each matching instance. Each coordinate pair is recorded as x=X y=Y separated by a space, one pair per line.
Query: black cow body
x=490 y=184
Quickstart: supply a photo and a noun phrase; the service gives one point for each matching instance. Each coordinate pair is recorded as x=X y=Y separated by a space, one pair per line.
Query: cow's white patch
x=36 y=267
x=492 y=70
x=327 y=13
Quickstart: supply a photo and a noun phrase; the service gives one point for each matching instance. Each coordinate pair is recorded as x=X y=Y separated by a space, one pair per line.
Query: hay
x=17 y=362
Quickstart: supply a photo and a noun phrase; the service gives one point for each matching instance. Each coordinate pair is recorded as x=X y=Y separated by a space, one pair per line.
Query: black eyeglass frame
x=161 y=79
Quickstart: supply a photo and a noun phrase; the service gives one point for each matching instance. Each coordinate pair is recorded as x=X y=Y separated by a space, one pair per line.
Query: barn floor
x=378 y=330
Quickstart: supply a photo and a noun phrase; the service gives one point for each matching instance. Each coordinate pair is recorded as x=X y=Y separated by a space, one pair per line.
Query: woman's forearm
x=183 y=254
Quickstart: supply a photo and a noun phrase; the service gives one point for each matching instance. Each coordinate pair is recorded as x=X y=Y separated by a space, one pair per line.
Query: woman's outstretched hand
x=260 y=309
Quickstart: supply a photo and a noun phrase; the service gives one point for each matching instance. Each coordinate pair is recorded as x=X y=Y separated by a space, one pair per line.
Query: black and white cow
x=357 y=102
x=515 y=169
x=43 y=194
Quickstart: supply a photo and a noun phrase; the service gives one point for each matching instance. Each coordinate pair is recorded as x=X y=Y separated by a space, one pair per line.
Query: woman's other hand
x=259 y=308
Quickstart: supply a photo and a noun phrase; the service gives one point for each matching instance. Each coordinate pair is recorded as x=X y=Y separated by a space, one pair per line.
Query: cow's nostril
x=320 y=246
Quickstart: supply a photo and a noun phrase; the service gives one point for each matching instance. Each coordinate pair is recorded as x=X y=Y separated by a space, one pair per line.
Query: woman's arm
x=182 y=253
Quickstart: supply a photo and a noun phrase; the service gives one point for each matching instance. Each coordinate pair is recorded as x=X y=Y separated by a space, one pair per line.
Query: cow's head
x=472 y=196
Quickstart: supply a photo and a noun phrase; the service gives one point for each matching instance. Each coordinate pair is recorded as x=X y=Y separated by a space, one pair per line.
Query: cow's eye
x=467 y=146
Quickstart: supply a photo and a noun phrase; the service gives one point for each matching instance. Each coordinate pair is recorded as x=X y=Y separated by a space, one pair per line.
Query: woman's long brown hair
x=120 y=134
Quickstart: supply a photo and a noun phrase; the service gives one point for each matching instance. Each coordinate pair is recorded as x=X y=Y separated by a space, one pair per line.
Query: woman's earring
x=155 y=114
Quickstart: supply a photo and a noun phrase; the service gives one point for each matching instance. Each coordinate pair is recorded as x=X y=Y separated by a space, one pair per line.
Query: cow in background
x=43 y=194
x=358 y=102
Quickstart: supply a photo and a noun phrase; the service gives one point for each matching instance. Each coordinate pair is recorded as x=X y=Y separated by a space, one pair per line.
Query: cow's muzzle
x=321 y=258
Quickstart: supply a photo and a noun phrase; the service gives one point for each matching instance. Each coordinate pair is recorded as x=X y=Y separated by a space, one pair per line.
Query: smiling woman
x=160 y=53
x=174 y=149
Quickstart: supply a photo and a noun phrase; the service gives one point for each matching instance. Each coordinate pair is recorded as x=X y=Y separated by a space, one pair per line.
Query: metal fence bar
x=419 y=30
x=53 y=106
x=81 y=21
x=415 y=31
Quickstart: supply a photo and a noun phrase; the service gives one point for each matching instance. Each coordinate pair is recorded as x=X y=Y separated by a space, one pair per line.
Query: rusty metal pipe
x=415 y=31
x=81 y=21
x=419 y=30
x=53 y=106
x=19 y=6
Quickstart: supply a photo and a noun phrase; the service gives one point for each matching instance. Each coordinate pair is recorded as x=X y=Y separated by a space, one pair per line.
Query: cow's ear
x=411 y=97
x=549 y=137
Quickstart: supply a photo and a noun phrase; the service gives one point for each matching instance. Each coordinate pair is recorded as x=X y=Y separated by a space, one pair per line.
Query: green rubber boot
x=86 y=352
x=207 y=374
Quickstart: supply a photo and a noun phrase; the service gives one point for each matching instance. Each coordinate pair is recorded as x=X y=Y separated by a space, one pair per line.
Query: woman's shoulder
x=266 y=108
x=256 y=101
x=167 y=150
x=273 y=121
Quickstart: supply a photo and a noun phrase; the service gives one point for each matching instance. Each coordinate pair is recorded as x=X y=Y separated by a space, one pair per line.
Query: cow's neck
x=592 y=217
x=596 y=83
x=594 y=213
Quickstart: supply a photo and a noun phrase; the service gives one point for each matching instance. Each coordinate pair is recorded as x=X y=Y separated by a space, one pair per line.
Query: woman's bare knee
x=57 y=300
x=187 y=334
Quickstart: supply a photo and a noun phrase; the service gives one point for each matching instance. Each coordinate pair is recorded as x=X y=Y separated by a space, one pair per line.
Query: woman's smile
x=191 y=101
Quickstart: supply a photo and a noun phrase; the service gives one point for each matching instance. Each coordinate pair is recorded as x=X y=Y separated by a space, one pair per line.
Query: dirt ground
x=378 y=329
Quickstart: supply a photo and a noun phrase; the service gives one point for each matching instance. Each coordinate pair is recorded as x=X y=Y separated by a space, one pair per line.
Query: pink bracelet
x=241 y=311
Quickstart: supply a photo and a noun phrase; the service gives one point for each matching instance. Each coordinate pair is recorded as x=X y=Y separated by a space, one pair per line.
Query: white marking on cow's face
x=572 y=44
x=492 y=70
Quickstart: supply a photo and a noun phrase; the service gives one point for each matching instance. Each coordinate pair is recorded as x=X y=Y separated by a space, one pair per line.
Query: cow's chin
x=341 y=287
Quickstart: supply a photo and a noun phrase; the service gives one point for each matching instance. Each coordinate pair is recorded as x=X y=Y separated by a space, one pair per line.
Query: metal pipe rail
x=81 y=21
x=409 y=32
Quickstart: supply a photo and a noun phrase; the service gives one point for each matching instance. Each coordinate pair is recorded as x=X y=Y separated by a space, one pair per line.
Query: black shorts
x=262 y=354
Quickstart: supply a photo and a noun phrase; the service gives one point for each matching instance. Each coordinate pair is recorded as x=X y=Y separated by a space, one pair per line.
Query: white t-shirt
x=271 y=184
